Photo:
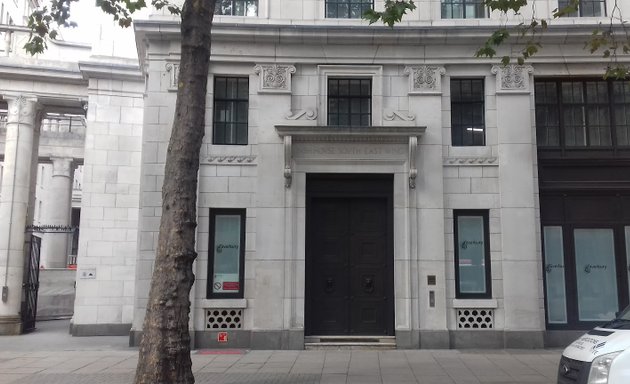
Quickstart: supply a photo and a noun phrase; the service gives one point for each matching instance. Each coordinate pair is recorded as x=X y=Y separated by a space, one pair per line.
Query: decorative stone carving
x=231 y=160
x=288 y=177
x=425 y=79
x=391 y=115
x=274 y=78
x=513 y=78
x=302 y=114
x=173 y=70
x=413 y=171
x=24 y=110
x=459 y=161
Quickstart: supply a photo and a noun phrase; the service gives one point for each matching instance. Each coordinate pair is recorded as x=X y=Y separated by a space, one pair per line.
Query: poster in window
x=227 y=247
x=471 y=252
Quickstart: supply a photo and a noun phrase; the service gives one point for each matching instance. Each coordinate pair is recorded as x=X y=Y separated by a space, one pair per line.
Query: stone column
x=520 y=265
x=22 y=133
x=56 y=212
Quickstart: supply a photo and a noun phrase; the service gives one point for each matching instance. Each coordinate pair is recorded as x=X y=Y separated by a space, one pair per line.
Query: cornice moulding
x=104 y=70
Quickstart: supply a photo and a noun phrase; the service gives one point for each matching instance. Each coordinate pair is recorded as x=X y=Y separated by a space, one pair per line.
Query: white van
x=601 y=356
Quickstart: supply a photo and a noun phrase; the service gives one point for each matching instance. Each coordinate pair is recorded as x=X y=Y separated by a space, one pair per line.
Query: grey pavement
x=51 y=356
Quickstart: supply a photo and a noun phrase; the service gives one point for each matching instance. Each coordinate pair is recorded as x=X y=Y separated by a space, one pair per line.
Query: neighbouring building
x=357 y=183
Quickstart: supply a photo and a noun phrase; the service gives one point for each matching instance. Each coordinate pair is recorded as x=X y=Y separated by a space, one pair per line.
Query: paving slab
x=51 y=356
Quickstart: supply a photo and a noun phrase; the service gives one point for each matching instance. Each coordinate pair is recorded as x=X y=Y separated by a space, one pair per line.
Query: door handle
x=330 y=285
x=368 y=284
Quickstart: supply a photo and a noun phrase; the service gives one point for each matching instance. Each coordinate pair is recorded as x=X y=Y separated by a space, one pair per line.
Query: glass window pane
x=554 y=275
x=596 y=274
x=471 y=254
x=227 y=245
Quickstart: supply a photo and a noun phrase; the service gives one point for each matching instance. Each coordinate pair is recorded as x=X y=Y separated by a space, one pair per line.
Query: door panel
x=349 y=288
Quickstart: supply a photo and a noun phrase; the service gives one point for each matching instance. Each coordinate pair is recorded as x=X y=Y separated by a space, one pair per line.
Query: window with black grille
x=467 y=112
x=231 y=103
x=236 y=8
x=582 y=114
x=585 y=8
x=463 y=9
x=350 y=102
x=347 y=9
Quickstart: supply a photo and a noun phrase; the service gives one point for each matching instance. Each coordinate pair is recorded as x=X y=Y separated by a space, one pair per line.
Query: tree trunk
x=165 y=346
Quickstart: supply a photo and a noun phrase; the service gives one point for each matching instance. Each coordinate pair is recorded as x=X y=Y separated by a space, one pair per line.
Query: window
x=231 y=103
x=463 y=9
x=347 y=9
x=467 y=112
x=472 y=254
x=226 y=253
x=586 y=8
x=237 y=8
x=582 y=114
x=349 y=102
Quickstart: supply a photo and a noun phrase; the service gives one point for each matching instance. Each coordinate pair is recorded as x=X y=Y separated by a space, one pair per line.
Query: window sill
x=223 y=303
x=475 y=303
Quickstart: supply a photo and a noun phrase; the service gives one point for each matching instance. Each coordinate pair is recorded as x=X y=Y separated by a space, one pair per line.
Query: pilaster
x=22 y=133
x=518 y=215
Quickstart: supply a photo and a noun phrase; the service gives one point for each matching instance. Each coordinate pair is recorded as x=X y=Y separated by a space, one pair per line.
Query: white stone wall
x=110 y=203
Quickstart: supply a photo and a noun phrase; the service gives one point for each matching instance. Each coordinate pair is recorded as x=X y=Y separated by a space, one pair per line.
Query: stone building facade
x=364 y=183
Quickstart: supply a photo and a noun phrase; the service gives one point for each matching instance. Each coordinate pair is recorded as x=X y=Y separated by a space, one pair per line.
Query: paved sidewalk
x=49 y=356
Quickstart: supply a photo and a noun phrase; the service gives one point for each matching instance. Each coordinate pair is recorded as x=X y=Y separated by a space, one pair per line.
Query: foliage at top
x=44 y=22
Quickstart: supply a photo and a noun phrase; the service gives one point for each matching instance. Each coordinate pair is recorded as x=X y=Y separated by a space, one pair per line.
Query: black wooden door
x=349 y=282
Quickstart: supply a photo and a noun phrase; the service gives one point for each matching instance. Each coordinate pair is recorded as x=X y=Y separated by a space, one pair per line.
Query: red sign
x=222 y=337
x=231 y=285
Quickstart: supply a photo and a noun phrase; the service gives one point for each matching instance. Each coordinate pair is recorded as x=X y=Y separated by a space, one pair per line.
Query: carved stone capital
x=62 y=166
x=513 y=78
x=425 y=79
x=274 y=78
x=22 y=109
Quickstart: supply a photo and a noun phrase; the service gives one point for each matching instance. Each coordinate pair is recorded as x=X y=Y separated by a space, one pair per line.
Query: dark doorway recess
x=349 y=255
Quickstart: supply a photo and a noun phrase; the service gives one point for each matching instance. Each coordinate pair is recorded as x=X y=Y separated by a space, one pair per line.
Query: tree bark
x=165 y=345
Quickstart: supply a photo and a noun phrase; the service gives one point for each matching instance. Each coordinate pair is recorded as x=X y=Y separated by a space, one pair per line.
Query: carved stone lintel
x=425 y=79
x=391 y=115
x=513 y=78
x=463 y=161
x=302 y=114
x=173 y=70
x=413 y=171
x=287 y=161
x=274 y=78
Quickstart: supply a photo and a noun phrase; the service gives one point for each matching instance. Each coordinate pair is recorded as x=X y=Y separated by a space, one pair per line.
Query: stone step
x=349 y=342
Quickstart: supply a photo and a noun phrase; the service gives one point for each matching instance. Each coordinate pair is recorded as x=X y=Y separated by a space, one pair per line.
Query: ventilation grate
x=475 y=318
x=224 y=318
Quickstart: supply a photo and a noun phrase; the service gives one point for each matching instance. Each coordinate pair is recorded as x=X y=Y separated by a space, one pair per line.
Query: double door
x=349 y=277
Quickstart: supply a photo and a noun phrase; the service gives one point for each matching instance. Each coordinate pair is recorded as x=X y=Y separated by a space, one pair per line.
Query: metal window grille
x=463 y=9
x=467 y=112
x=227 y=318
x=237 y=8
x=586 y=8
x=475 y=318
x=231 y=103
x=349 y=102
x=347 y=9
